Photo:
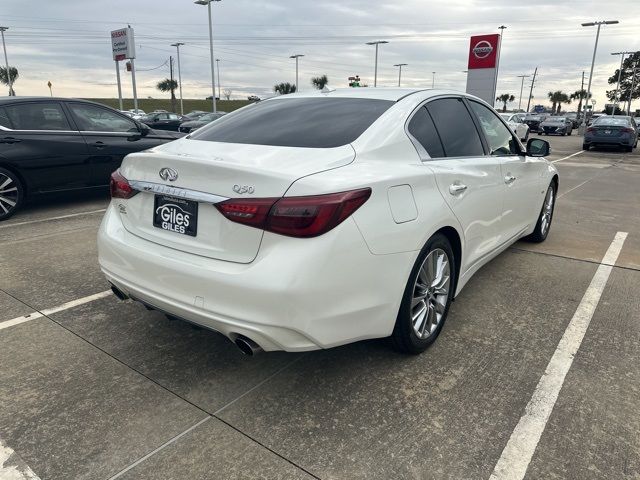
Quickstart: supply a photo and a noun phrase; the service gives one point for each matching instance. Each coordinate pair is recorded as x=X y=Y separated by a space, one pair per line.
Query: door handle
x=99 y=145
x=509 y=179
x=10 y=140
x=457 y=188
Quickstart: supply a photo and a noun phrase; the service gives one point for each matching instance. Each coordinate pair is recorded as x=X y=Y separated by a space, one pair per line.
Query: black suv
x=58 y=144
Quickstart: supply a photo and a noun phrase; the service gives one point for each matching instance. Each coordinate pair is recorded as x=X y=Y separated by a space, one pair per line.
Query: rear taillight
x=628 y=130
x=305 y=217
x=120 y=187
x=591 y=129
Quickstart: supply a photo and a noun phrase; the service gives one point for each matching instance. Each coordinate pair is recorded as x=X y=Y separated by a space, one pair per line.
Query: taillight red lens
x=591 y=129
x=120 y=187
x=628 y=130
x=305 y=217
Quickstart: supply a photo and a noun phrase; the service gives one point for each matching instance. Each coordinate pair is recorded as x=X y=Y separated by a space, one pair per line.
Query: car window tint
x=91 y=118
x=455 y=126
x=297 y=122
x=4 y=119
x=421 y=127
x=499 y=137
x=38 y=116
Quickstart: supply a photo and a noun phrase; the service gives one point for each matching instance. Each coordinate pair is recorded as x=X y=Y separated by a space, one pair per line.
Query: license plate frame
x=176 y=215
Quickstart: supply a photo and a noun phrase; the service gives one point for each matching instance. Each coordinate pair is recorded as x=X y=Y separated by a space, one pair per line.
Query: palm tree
x=320 y=82
x=169 y=85
x=558 y=98
x=579 y=95
x=505 y=98
x=13 y=71
x=284 y=88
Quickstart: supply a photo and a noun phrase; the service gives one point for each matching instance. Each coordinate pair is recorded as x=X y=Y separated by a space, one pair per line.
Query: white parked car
x=516 y=123
x=313 y=220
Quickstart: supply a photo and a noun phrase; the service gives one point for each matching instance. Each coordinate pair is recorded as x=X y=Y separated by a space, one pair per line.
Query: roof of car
x=379 y=93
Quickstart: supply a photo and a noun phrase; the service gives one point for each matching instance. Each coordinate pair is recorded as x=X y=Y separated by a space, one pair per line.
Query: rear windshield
x=556 y=120
x=297 y=122
x=612 y=121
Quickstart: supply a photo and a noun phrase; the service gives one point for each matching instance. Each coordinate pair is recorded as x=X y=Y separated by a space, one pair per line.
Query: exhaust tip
x=119 y=293
x=247 y=346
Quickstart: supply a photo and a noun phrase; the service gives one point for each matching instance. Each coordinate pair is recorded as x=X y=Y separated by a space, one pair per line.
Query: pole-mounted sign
x=123 y=47
x=482 y=66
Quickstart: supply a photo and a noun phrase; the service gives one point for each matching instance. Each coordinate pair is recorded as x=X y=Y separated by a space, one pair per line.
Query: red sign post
x=482 y=66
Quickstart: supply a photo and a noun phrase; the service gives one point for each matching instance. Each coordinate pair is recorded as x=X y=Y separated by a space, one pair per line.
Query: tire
x=628 y=149
x=11 y=194
x=435 y=259
x=546 y=213
x=569 y=131
x=585 y=147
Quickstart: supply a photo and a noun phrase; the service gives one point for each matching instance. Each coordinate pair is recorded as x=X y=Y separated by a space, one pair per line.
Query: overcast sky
x=68 y=43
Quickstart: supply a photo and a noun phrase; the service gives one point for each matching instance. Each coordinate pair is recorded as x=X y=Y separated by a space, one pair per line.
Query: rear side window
x=38 y=116
x=457 y=131
x=421 y=127
x=4 y=119
x=297 y=122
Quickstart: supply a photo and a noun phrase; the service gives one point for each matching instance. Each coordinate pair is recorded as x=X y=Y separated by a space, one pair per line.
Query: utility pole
x=173 y=96
x=533 y=81
x=375 y=71
x=297 y=56
x=218 y=72
x=502 y=28
x=521 y=88
x=433 y=80
x=6 y=61
x=633 y=85
x=581 y=95
x=177 y=45
x=583 y=125
x=400 y=65
x=213 y=77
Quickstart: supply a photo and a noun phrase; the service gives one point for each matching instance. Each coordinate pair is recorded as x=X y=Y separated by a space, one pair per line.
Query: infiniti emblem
x=168 y=174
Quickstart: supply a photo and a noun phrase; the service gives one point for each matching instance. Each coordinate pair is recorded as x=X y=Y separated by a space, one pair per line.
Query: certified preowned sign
x=482 y=49
x=122 y=44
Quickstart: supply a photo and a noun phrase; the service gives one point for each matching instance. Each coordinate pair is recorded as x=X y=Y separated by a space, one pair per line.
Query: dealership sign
x=483 y=66
x=122 y=44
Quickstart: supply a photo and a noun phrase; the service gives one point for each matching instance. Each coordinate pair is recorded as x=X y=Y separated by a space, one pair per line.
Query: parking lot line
x=568 y=156
x=61 y=217
x=51 y=311
x=517 y=454
x=12 y=467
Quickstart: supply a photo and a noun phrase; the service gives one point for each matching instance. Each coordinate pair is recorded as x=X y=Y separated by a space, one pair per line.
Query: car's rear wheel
x=543 y=225
x=585 y=147
x=427 y=296
x=628 y=148
x=11 y=193
x=569 y=130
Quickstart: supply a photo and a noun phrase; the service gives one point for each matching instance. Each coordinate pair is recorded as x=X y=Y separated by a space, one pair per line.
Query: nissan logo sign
x=482 y=49
x=168 y=174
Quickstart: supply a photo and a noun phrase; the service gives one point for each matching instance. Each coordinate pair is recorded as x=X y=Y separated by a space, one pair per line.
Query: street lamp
x=521 y=87
x=218 y=71
x=6 y=61
x=502 y=28
x=400 y=65
x=297 y=56
x=213 y=78
x=593 y=61
x=375 y=71
x=177 y=45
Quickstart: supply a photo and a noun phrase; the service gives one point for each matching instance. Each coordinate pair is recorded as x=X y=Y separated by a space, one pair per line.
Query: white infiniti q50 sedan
x=313 y=220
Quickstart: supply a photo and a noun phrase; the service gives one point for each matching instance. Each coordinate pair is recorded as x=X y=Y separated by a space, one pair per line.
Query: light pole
x=213 y=77
x=218 y=71
x=6 y=61
x=177 y=45
x=400 y=65
x=502 y=28
x=521 y=88
x=375 y=71
x=297 y=56
x=593 y=61
x=433 y=80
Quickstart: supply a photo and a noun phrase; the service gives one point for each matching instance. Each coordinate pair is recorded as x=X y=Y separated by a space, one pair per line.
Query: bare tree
x=227 y=93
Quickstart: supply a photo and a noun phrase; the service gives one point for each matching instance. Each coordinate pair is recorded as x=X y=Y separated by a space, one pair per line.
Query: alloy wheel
x=9 y=194
x=430 y=293
x=547 y=211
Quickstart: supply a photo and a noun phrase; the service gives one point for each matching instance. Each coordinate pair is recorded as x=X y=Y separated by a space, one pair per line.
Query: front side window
x=4 y=119
x=38 y=116
x=499 y=137
x=91 y=118
x=421 y=127
x=456 y=128
x=323 y=122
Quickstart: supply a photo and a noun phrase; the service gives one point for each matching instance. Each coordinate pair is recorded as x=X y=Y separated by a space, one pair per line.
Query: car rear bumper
x=298 y=294
x=621 y=140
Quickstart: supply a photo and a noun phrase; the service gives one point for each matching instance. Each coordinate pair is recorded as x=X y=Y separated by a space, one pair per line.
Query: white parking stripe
x=12 y=467
x=568 y=156
x=51 y=311
x=71 y=215
x=518 y=452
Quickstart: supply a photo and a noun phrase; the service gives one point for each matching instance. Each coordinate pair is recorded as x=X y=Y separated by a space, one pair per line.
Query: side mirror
x=144 y=129
x=536 y=147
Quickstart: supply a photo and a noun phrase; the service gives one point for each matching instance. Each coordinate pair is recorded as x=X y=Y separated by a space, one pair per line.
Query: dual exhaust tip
x=244 y=344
